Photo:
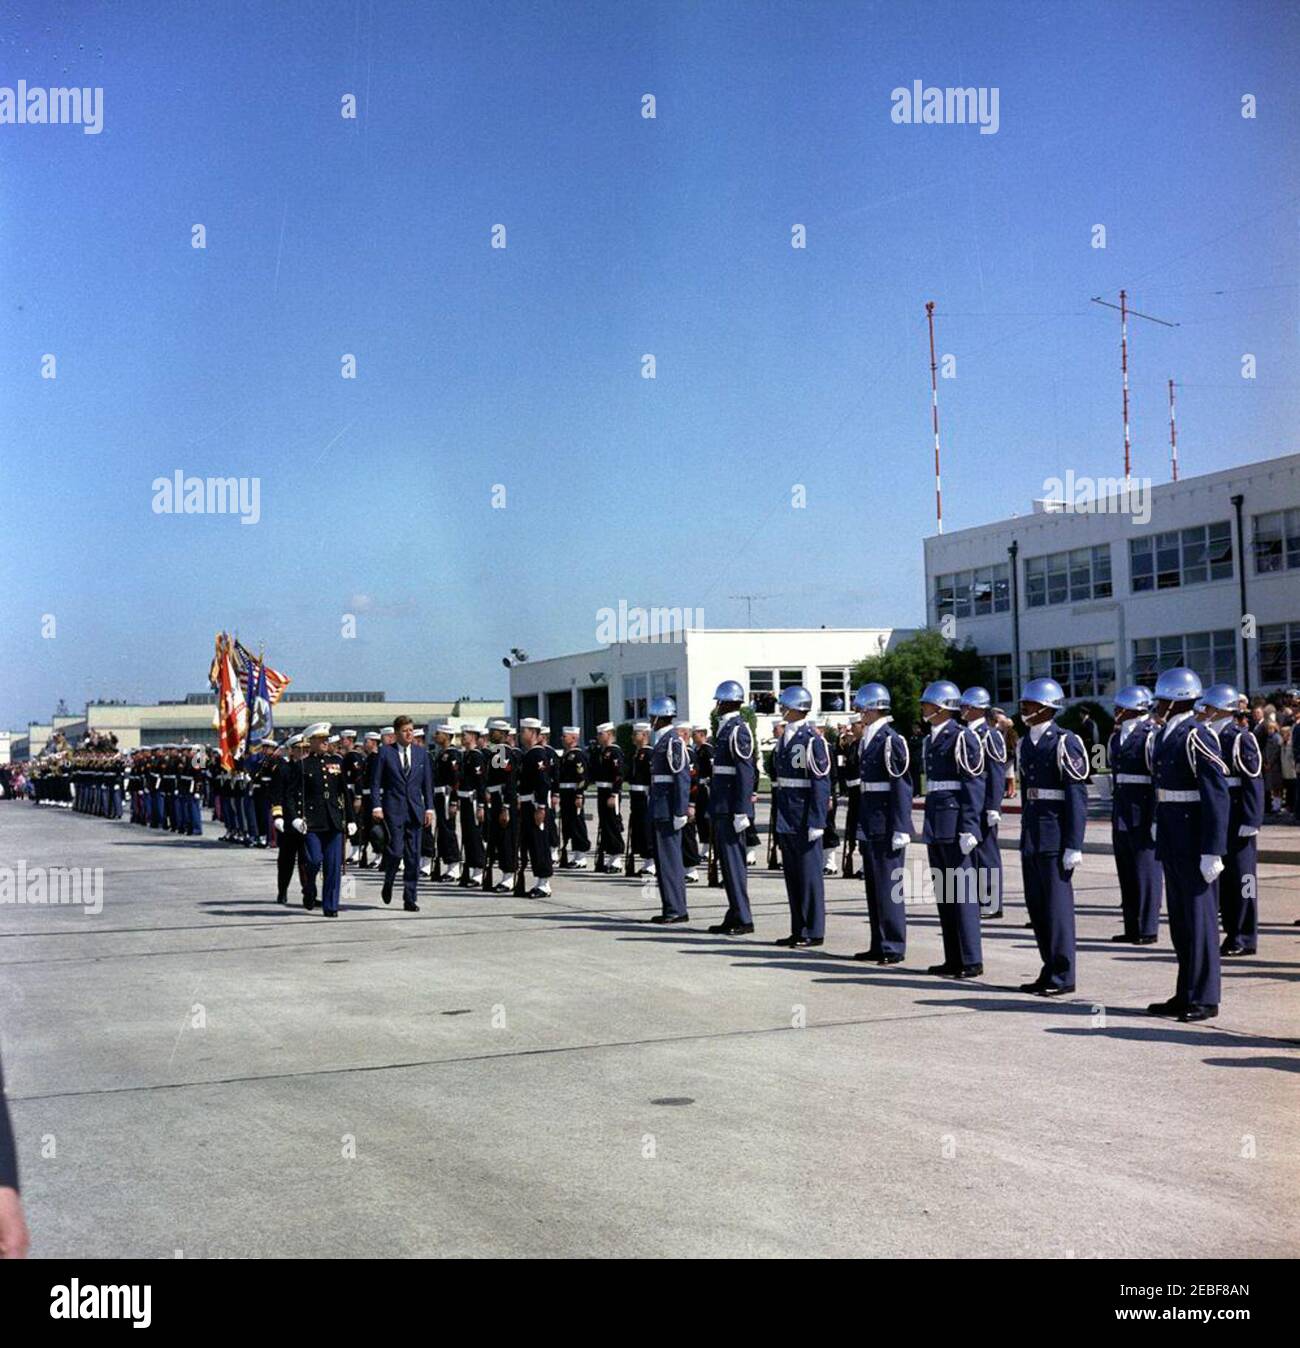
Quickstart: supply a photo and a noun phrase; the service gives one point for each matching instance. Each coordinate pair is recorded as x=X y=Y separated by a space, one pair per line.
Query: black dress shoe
x=804 y=941
x=1051 y=990
x=891 y=959
x=410 y=907
x=1195 y=1013
x=738 y=929
x=386 y=894
x=329 y=912
x=669 y=919
x=503 y=889
x=1231 y=948
x=1125 y=938
x=786 y=940
x=1145 y=940
x=282 y=898
x=1173 y=1007
x=945 y=970
x=992 y=917
x=309 y=904
x=1035 y=987
x=1028 y=924
x=970 y=971
x=870 y=956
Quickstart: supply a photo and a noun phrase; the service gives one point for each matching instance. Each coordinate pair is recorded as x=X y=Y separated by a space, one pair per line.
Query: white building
x=1110 y=591
x=617 y=682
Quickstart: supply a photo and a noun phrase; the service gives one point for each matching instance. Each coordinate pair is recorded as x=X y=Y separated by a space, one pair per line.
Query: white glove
x=815 y=833
x=740 y=822
x=1211 y=868
x=679 y=821
x=1245 y=831
x=352 y=828
x=993 y=818
x=899 y=841
x=300 y=825
x=1153 y=830
x=968 y=842
x=1071 y=858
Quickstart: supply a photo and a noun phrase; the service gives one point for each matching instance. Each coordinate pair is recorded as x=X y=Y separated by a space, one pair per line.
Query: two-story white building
x=1099 y=593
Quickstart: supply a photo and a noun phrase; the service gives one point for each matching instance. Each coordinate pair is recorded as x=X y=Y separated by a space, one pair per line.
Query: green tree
x=912 y=664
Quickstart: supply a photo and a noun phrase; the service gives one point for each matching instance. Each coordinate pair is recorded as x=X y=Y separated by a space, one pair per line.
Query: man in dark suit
x=401 y=794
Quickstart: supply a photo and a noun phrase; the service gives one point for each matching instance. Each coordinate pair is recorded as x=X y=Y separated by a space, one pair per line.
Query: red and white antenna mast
x=934 y=410
x=1173 y=435
x=1124 y=312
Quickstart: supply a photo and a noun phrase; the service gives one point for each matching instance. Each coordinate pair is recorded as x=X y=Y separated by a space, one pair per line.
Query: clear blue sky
x=625 y=236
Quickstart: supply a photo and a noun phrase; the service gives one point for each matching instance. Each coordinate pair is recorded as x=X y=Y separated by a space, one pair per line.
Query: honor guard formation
x=486 y=807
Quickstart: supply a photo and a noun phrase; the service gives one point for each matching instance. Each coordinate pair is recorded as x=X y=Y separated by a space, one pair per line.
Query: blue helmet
x=872 y=697
x=1178 y=685
x=943 y=693
x=1045 y=691
x=1221 y=696
x=1133 y=698
x=663 y=706
x=977 y=697
x=729 y=691
x=797 y=698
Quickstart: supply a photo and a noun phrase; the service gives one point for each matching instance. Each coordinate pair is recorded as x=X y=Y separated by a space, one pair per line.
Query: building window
x=765 y=684
x=527 y=706
x=973 y=594
x=1181 y=557
x=1279 y=654
x=1277 y=541
x=1068 y=577
x=1082 y=671
x=998 y=677
x=639 y=690
x=834 y=685
x=1210 y=655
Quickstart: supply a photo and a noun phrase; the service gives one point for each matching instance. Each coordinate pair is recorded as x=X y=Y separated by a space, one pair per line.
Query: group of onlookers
x=1274 y=724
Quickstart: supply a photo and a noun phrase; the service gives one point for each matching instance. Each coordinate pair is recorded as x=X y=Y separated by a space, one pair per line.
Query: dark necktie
x=406 y=761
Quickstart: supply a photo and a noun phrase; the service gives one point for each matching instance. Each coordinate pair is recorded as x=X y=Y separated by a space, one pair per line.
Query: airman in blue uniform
x=975 y=708
x=883 y=822
x=1191 y=833
x=1053 y=776
x=801 y=768
x=954 y=807
x=1132 y=813
x=1238 y=885
x=731 y=789
x=669 y=810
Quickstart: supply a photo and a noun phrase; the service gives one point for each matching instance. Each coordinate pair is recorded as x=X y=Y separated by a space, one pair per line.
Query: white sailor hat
x=640 y=725
x=387 y=730
x=471 y=729
x=684 y=725
x=604 y=726
x=498 y=723
x=347 y=734
x=702 y=725
x=418 y=732
x=530 y=723
x=334 y=739
x=373 y=735
x=545 y=729
x=444 y=729
x=320 y=730
x=571 y=730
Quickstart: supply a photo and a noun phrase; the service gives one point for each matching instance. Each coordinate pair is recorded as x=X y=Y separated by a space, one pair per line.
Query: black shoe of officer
x=669 y=919
x=786 y=940
x=1051 y=990
x=1145 y=940
x=945 y=970
x=870 y=956
x=805 y=941
x=1036 y=987
x=1124 y=938
x=329 y=912
x=970 y=971
x=1231 y=948
x=308 y=904
x=1195 y=1013
x=282 y=898
x=1173 y=1007
x=410 y=907
x=891 y=959
x=386 y=893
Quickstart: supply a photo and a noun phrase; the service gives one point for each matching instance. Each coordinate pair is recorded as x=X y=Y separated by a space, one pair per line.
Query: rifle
x=715 y=879
x=490 y=847
x=519 y=891
x=773 y=860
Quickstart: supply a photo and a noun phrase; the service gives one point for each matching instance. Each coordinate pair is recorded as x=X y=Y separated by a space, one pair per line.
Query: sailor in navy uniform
x=534 y=802
x=1132 y=813
x=801 y=767
x=446 y=800
x=883 y=819
x=640 y=833
x=669 y=810
x=954 y=808
x=703 y=775
x=502 y=805
x=690 y=834
x=976 y=706
x=607 y=772
x=1191 y=833
x=1053 y=770
x=731 y=787
x=1238 y=885
x=471 y=793
x=571 y=775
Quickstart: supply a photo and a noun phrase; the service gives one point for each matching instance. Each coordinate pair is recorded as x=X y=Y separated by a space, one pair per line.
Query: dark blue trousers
x=155 y=809
x=1194 y=928
x=1049 y=896
x=882 y=870
x=324 y=849
x=735 y=874
x=988 y=858
x=670 y=873
x=1239 y=893
x=957 y=896
x=1141 y=883
x=805 y=886
x=404 y=850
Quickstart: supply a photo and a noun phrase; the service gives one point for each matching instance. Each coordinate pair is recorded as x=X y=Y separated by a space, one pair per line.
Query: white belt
x=876 y=786
x=1043 y=793
x=724 y=771
x=570 y=786
x=1178 y=797
x=604 y=786
x=1132 y=779
x=793 y=783
x=497 y=788
x=441 y=790
x=642 y=789
x=466 y=795
x=663 y=777
x=943 y=786
x=526 y=800
x=1233 y=781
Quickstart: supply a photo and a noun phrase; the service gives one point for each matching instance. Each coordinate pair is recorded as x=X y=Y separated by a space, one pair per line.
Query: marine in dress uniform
x=1132 y=813
x=502 y=788
x=534 y=803
x=1053 y=771
x=322 y=807
x=883 y=820
x=571 y=780
x=668 y=809
x=954 y=806
x=1238 y=885
x=1191 y=832
x=472 y=796
x=607 y=772
x=975 y=708
x=732 y=782
x=802 y=773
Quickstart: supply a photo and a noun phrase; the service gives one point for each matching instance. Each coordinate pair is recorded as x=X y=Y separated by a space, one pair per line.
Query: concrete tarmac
x=197 y=1070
